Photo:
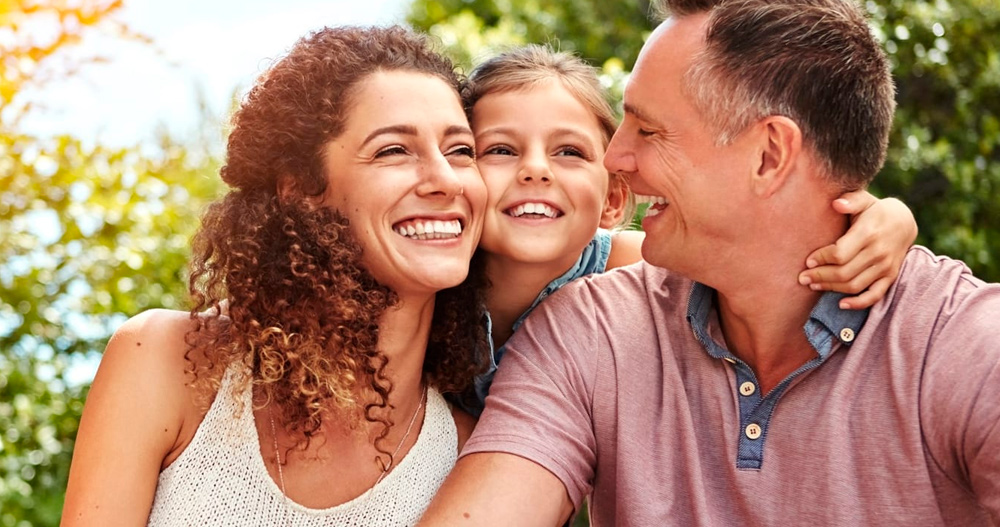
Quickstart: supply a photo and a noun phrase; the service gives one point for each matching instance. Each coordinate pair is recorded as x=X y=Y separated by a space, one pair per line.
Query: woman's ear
x=290 y=190
x=286 y=189
x=616 y=203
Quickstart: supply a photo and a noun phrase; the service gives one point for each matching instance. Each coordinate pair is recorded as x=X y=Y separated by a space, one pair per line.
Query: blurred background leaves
x=91 y=234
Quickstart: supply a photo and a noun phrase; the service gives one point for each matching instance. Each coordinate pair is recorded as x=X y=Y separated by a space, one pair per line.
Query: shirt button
x=747 y=389
x=847 y=334
x=753 y=430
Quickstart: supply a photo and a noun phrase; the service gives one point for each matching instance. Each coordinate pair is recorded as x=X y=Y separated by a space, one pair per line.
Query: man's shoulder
x=939 y=305
x=931 y=281
x=639 y=278
x=637 y=290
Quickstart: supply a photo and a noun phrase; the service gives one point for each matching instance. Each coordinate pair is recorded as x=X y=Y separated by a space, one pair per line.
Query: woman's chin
x=427 y=280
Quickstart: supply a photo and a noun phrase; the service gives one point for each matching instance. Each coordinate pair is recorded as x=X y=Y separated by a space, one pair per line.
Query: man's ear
x=616 y=203
x=780 y=146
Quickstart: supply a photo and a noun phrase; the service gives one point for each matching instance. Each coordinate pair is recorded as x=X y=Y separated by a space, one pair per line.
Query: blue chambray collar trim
x=827 y=323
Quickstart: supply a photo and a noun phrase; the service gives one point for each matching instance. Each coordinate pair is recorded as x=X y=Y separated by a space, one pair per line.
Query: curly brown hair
x=277 y=284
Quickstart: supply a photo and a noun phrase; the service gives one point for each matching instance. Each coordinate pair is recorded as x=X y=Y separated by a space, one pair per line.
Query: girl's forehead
x=549 y=105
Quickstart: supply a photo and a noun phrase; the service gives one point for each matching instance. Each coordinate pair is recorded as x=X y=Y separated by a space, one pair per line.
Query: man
x=722 y=392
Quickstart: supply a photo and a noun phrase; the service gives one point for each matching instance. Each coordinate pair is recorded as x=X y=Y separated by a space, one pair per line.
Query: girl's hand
x=866 y=260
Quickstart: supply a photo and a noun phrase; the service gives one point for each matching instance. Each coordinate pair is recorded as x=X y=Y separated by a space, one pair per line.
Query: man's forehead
x=661 y=63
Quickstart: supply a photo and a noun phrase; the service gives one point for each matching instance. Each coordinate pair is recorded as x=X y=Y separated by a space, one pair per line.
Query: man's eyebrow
x=637 y=113
x=457 y=130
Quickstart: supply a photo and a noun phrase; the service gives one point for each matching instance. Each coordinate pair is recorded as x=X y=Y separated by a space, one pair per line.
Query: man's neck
x=763 y=308
x=768 y=335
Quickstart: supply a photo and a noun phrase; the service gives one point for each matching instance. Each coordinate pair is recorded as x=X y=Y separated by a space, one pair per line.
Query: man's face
x=667 y=150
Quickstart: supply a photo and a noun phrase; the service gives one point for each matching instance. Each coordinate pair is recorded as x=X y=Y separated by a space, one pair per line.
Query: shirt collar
x=827 y=323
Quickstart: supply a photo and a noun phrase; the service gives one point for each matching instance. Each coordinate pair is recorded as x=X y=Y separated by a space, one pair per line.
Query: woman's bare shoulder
x=137 y=413
x=146 y=358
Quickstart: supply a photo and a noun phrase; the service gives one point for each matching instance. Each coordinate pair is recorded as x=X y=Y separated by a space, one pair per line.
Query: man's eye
x=390 y=151
x=645 y=133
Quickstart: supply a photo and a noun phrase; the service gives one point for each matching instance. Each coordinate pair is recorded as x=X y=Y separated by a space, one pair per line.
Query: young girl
x=542 y=123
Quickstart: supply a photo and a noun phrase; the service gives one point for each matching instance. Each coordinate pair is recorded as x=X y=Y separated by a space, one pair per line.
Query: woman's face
x=404 y=173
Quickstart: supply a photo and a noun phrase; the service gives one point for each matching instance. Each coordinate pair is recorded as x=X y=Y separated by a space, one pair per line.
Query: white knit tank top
x=220 y=478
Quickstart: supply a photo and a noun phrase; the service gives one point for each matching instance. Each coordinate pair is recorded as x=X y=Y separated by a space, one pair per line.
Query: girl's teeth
x=533 y=208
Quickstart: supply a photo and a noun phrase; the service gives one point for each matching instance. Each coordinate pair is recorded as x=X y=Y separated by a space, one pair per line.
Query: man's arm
x=493 y=488
x=960 y=387
x=532 y=456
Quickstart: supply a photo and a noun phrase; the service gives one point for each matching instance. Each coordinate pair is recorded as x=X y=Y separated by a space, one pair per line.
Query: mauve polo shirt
x=621 y=386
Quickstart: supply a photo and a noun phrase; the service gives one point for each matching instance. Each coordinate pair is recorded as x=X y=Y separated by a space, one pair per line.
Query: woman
x=303 y=386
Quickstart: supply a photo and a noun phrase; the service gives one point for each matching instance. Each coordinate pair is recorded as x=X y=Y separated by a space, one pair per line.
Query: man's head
x=732 y=103
x=813 y=61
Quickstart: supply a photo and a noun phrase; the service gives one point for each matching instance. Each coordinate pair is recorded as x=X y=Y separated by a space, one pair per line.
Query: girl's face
x=403 y=172
x=540 y=152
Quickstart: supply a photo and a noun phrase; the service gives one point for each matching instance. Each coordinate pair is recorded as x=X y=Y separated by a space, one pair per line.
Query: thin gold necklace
x=277 y=453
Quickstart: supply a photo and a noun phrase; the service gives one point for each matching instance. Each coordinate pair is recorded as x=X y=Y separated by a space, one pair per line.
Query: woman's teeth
x=429 y=229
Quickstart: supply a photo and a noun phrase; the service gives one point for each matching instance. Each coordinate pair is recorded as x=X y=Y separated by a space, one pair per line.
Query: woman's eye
x=390 y=151
x=464 y=150
x=645 y=133
x=499 y=150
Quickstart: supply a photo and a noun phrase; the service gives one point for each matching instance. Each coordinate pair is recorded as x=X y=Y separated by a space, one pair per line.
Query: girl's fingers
x=868 y=298
x=854 y=202
x=851 y=279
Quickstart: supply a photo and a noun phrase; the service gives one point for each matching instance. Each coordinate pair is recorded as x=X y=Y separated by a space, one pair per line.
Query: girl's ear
x=616 y=203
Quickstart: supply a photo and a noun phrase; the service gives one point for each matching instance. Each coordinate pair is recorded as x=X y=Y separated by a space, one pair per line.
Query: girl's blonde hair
x=527 y=66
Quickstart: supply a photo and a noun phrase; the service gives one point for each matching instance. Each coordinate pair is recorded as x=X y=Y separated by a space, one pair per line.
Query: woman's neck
x=403 y=333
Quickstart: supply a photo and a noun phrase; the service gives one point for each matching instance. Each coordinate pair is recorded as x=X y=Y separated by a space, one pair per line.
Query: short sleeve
x=960 y=396
x=540 y=405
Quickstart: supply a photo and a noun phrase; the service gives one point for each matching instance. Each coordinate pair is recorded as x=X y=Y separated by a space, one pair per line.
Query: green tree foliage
x=944 y=156
x=596 y=30
x=943 y=161
x=89 y=235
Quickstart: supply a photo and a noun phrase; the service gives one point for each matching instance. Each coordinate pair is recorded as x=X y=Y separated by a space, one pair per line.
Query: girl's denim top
x=593 y=259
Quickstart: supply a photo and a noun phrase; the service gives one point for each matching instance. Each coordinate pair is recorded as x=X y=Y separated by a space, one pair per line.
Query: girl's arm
x=866 y=260
x=132 y=423
x=626 y=248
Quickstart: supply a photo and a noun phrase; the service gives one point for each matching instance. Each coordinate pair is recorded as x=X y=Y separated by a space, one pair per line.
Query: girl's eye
x=390 y=151
x=571 y=151
x=463 y=150
x=499 y=150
